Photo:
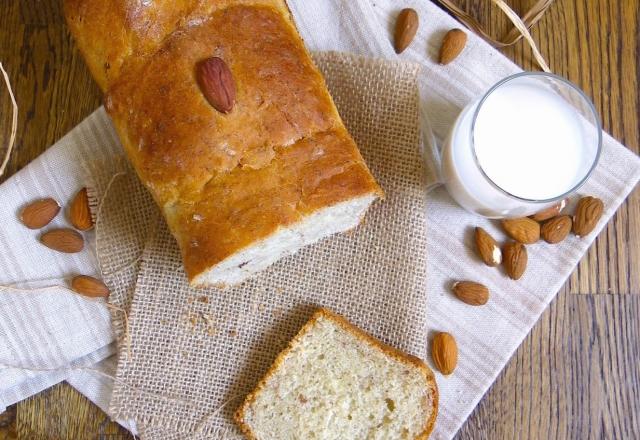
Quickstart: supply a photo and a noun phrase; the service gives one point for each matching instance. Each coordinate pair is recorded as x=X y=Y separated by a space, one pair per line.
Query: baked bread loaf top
x=334 y=381
x=238 y=190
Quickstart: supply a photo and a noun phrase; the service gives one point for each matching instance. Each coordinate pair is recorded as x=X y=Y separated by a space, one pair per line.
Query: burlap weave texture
x=196 y=353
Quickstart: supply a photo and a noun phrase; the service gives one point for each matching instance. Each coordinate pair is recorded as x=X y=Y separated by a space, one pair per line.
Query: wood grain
x=63 y=413
x=575 y=376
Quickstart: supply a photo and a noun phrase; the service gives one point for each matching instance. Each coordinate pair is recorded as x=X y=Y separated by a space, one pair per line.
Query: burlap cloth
x=192 y=355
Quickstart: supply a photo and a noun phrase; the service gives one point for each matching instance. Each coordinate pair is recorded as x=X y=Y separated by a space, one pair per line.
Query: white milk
x=529 y=143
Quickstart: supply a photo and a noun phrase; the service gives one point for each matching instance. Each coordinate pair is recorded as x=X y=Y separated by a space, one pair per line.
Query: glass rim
x=585 y=98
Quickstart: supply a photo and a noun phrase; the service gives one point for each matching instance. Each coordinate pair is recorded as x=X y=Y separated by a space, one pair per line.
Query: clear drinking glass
x=533 y=139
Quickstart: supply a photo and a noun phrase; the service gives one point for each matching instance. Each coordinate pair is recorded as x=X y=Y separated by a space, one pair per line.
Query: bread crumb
x=203 y=299
x=233 y=333
x=261 y=307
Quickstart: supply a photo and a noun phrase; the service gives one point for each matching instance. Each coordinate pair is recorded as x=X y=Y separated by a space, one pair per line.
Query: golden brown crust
x=360 y=334
x=114 y=35
x=178 y=141
x=223 y=181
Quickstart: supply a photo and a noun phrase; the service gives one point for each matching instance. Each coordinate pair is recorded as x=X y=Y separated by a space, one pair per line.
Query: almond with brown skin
x=523 y=229
x=588 y=213
x=515 y=259
x=444 y=352
x=474 y=294
x=38 y=214
x=78 y=213
x=406 y=28
x=63 y=240
x=89 y=286
x=550 y=212
x=556 y=229
x=487 y=248
x=216 y=83
x=453 y=43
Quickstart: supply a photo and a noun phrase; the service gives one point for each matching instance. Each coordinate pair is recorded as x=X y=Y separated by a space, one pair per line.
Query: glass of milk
x=533 y=139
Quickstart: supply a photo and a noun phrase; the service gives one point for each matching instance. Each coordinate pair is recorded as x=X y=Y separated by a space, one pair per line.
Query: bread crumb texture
x=334 y=384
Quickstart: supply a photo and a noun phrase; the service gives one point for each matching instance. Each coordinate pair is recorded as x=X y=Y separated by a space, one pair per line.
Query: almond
x=487 y=248
x=472 y=293
x=588 y=213
x=515 y=259
x=550 y=212
x=216 y=83
x=523 y=229
x=38 y=214
x=89 y=286
x=444 y=352
x=406 y=28
x=556 y=229
x=452 y=44
x=78 y=213
x=63 y=240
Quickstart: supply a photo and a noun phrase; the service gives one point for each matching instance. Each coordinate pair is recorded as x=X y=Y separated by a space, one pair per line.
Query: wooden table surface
x=577 y=375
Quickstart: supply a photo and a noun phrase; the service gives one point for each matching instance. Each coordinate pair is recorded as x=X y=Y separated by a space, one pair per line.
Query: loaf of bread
x=239 y=189
x=335 y=381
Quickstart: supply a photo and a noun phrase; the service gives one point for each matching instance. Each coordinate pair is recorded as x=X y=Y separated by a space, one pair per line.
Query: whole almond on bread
x=550 y=212
x=38 y=214
x=556 y=229
x=515 y=259
x=487 y=248
x=452 y=44
x=523 y=229
x=89 y=286
x=588 y=213
x=79 y=214
x=216 y=83
x=406 y=28
x=444 y=352
x=470 y=292
x=63 y=240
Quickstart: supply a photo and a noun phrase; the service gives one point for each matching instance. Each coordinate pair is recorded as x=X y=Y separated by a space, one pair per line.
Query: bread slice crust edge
x=393 y=352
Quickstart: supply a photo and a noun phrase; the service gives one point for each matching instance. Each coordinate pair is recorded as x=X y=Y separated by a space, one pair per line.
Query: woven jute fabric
x=195 y=354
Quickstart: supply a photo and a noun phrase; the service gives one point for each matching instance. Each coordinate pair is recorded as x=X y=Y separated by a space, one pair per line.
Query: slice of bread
x=334 y=381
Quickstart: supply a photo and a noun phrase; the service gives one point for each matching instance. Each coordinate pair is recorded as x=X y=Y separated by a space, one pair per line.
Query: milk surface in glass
x=528 y=147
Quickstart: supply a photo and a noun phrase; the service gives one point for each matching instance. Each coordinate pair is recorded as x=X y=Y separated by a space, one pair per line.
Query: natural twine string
x=98 y=217
x=520 y=30
x=34 y=290
x=14 y=121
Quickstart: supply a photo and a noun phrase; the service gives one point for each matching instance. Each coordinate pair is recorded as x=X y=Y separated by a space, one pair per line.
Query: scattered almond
x=444 y=352
x=38 y=214
x=515 y=259
x=63 y=240
x=550 y=212
x=523 y=229
x=79 y=214
x=89 y=286
x=453 y=43
x=588 y=213
x=487 y=248
x=556 y=229
x=406 y=28
x=472 y=293
x=216 y=83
